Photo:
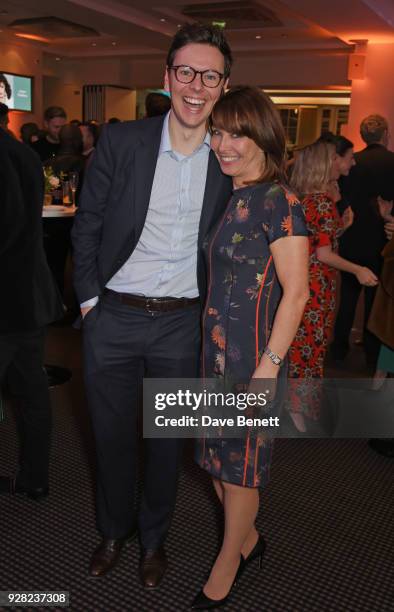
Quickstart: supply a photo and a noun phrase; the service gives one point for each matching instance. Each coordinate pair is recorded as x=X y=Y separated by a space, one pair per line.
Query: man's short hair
x=157 y=104
x=201 y=34
x=372 y=128
x=54 y=111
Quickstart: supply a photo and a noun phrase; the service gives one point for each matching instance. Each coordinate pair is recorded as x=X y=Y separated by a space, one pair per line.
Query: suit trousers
x=121 y=344
x=350 y=293
x=21 y=366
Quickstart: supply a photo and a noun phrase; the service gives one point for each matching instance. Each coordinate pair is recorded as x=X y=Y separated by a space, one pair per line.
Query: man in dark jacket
x=151 y=194
x=362 y=243
x=29 y=302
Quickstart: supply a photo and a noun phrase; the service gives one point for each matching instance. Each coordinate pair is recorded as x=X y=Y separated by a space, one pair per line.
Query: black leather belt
x=152 y=304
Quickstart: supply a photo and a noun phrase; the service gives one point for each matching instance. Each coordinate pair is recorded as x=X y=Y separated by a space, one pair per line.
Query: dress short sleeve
x=284 y=214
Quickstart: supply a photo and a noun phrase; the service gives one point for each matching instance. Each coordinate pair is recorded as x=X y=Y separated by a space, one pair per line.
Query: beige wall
x=374 y=93
x=24 y=59
x=120 y=103
x=68 y=95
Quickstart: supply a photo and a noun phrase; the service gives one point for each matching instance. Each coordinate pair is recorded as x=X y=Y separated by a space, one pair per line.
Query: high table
x=57 y=375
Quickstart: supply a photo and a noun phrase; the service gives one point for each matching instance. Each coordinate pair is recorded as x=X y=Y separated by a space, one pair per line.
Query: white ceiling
x=132 y=28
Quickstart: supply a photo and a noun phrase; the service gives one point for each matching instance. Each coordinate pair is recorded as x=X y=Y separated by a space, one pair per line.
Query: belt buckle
x=148 y=303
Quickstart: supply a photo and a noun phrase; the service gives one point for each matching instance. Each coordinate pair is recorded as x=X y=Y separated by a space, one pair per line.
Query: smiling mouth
x=227 y=159
x=194 y=103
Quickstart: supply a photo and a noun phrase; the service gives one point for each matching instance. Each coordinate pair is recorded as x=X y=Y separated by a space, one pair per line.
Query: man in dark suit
x=29 y=302
x=152 y=192
x=362 y=243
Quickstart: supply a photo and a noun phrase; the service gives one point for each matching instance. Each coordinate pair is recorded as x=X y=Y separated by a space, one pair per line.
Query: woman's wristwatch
x=276 y=360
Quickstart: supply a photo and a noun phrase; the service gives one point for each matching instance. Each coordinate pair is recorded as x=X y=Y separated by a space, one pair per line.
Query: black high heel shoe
x=203 y=602
x=256 y=552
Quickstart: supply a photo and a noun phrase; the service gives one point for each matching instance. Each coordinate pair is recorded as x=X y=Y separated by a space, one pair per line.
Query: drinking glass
x=73 y=180
x=67 y=195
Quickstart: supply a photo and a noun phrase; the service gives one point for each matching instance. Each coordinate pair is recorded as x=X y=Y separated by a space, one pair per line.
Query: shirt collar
x=165 y=143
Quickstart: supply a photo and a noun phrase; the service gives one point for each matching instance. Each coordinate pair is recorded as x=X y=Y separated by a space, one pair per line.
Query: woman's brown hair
x=248 y=111
x=312 y=168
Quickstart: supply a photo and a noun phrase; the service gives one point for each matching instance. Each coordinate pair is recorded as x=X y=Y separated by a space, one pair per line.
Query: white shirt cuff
x=92 y=302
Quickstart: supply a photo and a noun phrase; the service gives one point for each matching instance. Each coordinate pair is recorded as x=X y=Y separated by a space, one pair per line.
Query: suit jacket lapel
x=145 y=159
x=217 y=191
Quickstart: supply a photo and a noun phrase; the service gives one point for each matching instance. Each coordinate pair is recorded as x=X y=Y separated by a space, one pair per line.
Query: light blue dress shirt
x=164 y=261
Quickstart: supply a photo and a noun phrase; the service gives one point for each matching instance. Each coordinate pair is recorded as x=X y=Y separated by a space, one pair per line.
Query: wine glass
x=73 y=180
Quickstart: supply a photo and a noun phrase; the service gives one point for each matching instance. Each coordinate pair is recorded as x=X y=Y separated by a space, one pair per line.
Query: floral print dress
x=308 y=350
x=243 y=296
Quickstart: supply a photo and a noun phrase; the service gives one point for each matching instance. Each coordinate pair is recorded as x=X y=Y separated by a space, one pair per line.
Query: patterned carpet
x=327 y=516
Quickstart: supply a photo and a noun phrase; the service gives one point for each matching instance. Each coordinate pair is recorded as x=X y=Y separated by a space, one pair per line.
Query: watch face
x=276 y=360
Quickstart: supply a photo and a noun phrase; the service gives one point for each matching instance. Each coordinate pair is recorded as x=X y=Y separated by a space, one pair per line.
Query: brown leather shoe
x=153 y=566
x=107 y=554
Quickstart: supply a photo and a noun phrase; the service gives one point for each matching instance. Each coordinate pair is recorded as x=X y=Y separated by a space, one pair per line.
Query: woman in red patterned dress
x=314 y=178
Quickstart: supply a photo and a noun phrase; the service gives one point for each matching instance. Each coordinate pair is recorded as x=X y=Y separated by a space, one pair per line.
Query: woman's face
x=346 y=162
x=342 y=164
x=238 y=156
x=3 y=95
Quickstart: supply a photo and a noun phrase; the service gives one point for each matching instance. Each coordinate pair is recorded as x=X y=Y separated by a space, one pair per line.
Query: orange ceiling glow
x=32 y=37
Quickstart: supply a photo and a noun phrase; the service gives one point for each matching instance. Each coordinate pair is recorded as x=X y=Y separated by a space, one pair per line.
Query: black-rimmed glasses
x=187 y=74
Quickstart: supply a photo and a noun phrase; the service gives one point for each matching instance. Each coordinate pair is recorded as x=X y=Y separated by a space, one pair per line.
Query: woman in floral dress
x=314 y=176
x=257 y=289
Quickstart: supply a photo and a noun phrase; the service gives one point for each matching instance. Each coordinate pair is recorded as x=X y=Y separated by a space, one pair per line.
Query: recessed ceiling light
x=162 y=19
x=94 y=44
x=179 y=25
x=57 y=59
x=113 y=43
x=258 y=36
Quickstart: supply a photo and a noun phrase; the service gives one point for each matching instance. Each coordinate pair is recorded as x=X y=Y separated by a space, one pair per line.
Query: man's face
x=87 y=137
x=192 y=103
x=53 y=127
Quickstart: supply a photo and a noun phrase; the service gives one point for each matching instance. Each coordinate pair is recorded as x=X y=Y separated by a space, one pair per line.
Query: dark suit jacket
x=372 y=175
x=115 y=199
x=29 y=298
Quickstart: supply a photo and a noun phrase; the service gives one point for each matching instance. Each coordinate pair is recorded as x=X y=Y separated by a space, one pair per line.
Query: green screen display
x=16 y=91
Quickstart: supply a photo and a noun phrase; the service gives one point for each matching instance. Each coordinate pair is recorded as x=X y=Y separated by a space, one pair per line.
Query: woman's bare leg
x=240 y=509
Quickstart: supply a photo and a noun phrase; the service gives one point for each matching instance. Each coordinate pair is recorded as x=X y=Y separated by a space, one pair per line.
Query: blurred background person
x=381 y=321
x=114 y=120
x=5 y=89
x=362 y=244
x=342 y=164
x=313 y=172
x=48 y=146
x=30 y=133
x=90 y=135
x=28 y=303
x=157 y=104
x=69 y=156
